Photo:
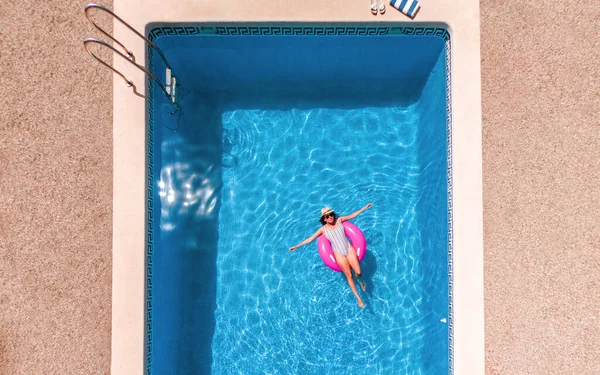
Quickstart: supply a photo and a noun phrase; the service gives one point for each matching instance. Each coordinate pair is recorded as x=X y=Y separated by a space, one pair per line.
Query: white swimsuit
x=337 y=237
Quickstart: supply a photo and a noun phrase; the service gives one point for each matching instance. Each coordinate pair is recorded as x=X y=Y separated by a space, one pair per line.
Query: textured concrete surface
x=55 y=193
x=541 y=175
x=541 y=143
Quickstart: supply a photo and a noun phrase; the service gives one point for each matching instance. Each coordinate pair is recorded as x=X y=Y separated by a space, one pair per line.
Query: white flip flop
x=374 y=7
x=381 y=7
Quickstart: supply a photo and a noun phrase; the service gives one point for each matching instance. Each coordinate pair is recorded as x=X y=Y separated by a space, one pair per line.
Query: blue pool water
x=272 y=128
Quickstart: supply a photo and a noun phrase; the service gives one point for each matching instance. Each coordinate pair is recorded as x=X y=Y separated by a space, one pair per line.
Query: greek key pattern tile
x=149 y=219
x=450 y=210
x=298 y=30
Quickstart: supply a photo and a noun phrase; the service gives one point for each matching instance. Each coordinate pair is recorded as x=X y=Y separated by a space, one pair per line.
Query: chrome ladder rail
x=170 y=79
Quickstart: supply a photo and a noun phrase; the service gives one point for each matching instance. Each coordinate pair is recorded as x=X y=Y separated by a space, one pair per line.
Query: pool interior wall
x=189 y=152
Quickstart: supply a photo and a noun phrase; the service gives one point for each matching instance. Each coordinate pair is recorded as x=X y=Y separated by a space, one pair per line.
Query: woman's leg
x=345 y=266
x=354 y=263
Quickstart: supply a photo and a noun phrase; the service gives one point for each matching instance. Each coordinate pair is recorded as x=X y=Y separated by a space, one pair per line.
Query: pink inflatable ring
x=356 y=237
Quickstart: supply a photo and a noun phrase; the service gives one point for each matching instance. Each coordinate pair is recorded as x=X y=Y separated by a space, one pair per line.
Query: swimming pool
x=277 y=122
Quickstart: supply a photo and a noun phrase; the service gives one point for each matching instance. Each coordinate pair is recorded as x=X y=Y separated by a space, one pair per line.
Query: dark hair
x=322 y=219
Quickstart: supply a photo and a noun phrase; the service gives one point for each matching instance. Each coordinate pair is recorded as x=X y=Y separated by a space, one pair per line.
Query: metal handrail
x=127 y=81
x=168 y=89
x=90 y=6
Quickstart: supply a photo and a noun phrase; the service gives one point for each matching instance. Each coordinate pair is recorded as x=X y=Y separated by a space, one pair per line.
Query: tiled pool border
x=324 y=30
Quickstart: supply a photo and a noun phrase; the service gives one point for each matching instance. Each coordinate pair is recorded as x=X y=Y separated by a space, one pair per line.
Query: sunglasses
x=327 y=216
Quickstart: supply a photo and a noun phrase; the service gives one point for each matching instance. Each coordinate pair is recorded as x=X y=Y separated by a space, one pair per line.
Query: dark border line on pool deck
x=290 y=30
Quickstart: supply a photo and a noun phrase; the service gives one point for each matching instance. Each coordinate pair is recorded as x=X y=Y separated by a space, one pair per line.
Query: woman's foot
x=374 y=7
x=361 y=304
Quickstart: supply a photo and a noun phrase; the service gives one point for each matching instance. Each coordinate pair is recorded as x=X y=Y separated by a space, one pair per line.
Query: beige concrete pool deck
x=65 y=242
x=129 y=164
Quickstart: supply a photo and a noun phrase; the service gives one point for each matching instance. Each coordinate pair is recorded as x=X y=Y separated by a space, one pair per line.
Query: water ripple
x=286 y=313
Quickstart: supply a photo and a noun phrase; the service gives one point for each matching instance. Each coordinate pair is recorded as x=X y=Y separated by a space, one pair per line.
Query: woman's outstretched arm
x=355 y=214
x=308 y=240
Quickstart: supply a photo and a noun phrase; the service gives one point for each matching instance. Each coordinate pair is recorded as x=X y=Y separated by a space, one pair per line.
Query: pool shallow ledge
x=130 y=143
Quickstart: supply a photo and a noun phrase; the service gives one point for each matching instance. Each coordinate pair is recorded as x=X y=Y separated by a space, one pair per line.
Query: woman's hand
x=293 y=248
x=368 y=206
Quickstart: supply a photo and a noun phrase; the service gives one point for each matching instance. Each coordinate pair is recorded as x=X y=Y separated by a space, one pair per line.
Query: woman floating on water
x=345 y=253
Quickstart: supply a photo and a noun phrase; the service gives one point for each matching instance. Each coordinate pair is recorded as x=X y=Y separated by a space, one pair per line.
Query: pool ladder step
x=170 y=85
